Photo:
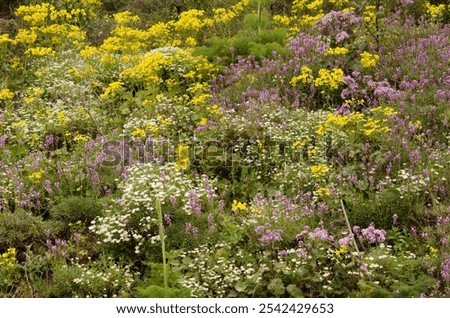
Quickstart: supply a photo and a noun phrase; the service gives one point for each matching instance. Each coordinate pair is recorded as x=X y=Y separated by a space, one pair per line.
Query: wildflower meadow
x=224 y=148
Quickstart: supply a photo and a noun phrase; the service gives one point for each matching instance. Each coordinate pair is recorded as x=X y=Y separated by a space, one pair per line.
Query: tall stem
x=259 y=17
x=349 y=227
x=161 y=236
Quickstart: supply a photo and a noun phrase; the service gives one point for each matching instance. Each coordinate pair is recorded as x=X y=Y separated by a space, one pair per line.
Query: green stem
x=161 y=235
x=349 y=227
x=259 y=17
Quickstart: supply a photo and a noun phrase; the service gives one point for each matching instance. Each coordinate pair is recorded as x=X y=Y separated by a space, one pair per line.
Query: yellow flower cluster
x=125 y=17
x=305 y=13
x=385 y=111
x=35 y=15
x=320 y=170
x=378 y=123
x=40 y=51
x=356 y=122
x=146 y=73
x=435 y=11
x=284 y=20
x=238 y=206
x=341 y=250
x=332 y=122
x=139 y=133
x=214 y=110
x=8 y=258
x=369 y=14
x=25 y=37
x=375 y=125
x=329 y=78
x=36 y=177
x=112 y=90
x=305 y=76
x=432 y=252
x=369 y=59
x=202 y=121
x=315 y=4
x=6 y=94
x=339 y=2
x=182 y=162
x=80 y=138
x=322 y=192
x=4 y=38
x=336 y=51
x=68 y=11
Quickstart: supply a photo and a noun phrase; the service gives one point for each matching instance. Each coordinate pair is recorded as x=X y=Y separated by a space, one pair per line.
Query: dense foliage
x=284 y=148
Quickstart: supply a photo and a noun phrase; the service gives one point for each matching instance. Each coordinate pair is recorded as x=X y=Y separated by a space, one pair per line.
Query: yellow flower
x=336 y=51
x=314 y=5
x=40 y=51
x=255 y=211
x=319 y=170
x=202 y=121
x=138 y=133
x=238 y=206
x=8 y=258
x=435 y=10
x=125 y=17
x=372 y=126
x=322 y=192
x=214 y=109
x=432 y=252
x=61 y=117
x=299 y=143
x=370 y=14
x=4 y=38
x=328 y=78
x=152 y=128
x=190 y=42
x=36 y=177
x=332 y=122
x=81 y=138
x=368 y=59
x=20 y=124
x=25 y=37
x=182 y=162
x=282 y=19
x=341 y=250
x=112 y=90
x=6 y=94
x=305 y=76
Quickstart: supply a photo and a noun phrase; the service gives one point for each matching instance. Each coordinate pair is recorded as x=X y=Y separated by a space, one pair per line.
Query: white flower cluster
x=133 y=217
x=213 y=272
x=97 y=280
x=412 y=184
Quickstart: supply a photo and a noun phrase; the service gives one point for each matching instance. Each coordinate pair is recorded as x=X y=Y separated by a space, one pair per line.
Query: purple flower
x=77 y=238
x=372 y=235
x=173 y=200
x=445 y=270
x=342 y=36
x=168 y=219
x=211 y=224
x=321 y=234
x=344 y=241
x=190 y=229
x=302 y=253
x=193 y=202
x=271 y=236
x=394 y=219
x=282 y=253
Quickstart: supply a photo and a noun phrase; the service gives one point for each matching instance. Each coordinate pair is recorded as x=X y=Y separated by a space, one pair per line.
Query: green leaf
x=294 y=291
x=241 y=286
x=276 y=287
